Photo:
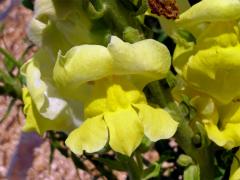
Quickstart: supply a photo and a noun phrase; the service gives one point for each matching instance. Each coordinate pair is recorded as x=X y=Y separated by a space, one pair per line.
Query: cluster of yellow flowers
x=207 y=61
x=92 y=90
x=208 y=65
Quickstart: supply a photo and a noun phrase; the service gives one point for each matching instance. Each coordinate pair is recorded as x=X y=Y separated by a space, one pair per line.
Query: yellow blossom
x=101 y=89
x=208 y=57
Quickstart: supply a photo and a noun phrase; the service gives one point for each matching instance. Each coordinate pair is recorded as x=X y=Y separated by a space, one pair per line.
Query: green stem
x=158 y=93
x=131 y=166
x=120 y=18
x=139 y=160
x=133 y=170
x=202 y=156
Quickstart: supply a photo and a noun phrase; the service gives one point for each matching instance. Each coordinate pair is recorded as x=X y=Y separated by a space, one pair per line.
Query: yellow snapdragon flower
x=101 y=89
x=211 y=62
x=207 y=58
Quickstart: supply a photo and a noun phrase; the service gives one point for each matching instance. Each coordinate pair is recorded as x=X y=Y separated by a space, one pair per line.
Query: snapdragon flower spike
x=109 y=82
x=211 y=64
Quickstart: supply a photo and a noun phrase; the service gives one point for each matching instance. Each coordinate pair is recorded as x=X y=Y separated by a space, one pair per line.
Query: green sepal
x=192 y=173
x=200 y=130
x=151 y=172
x=184 y=160
x=189 y=37
x=145 y=145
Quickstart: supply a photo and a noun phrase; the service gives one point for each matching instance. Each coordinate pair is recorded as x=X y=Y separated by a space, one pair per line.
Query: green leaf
x=9 y=60
x=192 y=173
x=11 y=85
x=152 y=171
x=9 y=108
x=8 y=64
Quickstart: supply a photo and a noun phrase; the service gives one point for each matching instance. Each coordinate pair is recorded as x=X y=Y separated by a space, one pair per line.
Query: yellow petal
x=82 y=64
x=215 y=71
x=225 y=132
x=35 y=31
x=91 y=136
x=35 y=85
x=96 y=104
x=230 y=113
x=111 y=94
x=43 y=9
x=181 y=55
x=125 y=130
x=38 y=73
x=148 y=58
x=157 y=123
x=36 y=122
x=205 y=108
x=235 y=175
x=229 y=137
x=214 y=10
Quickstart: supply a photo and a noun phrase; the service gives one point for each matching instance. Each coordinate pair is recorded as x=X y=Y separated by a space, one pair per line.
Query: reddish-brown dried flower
x=167 y=8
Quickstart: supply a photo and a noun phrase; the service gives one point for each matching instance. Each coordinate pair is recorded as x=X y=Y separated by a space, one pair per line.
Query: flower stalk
x=203 y=156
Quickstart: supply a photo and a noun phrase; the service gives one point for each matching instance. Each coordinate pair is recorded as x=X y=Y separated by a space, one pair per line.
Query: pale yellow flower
x=208 y=55
x=102 y=86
